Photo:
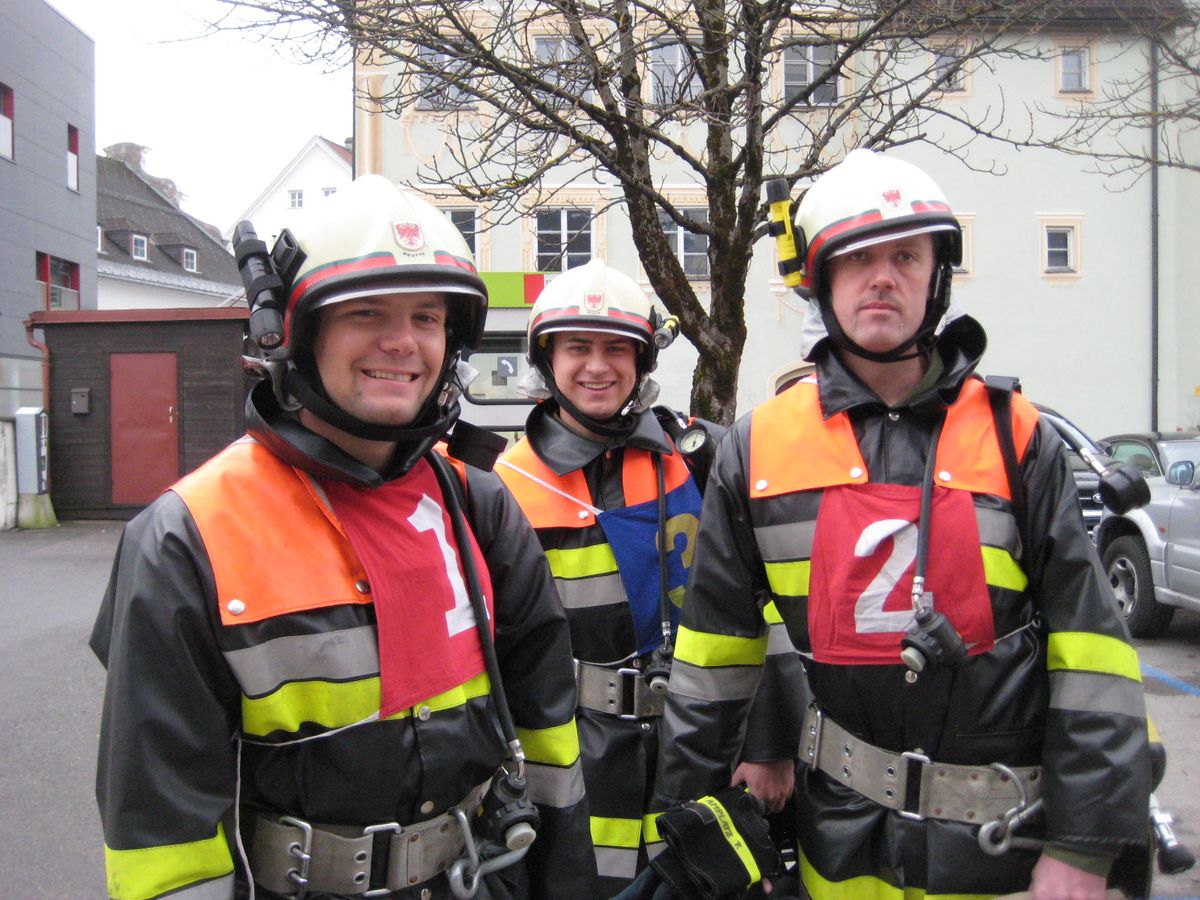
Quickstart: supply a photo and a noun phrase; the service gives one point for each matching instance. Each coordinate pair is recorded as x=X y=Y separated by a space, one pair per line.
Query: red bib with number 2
x=863 y=560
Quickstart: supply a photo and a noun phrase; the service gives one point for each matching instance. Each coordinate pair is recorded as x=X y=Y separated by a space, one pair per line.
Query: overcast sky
x=222 y=115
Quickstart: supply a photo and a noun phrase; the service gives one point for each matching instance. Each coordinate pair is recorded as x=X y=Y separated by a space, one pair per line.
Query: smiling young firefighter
x=615 y=501
x=968 y=662
x=337 y=666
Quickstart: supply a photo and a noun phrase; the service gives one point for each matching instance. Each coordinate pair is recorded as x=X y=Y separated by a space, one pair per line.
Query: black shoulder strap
x=1000 y=389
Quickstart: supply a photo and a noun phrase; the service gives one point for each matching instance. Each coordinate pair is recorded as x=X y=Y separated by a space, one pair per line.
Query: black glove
x=717 y=847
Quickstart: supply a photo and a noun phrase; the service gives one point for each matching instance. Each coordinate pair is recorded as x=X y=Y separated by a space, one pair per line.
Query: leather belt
x=619 y=692
x=910 y=783
x=293 y=857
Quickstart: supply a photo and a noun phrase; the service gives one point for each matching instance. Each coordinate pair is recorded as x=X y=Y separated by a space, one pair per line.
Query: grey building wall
x=50 y=65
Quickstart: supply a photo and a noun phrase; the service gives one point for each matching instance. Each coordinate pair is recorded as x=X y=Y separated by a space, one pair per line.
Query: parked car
x=1087 y=482
x=1152 y=554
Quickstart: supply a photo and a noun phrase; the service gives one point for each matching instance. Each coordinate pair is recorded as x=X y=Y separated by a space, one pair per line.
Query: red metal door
x=144 y=423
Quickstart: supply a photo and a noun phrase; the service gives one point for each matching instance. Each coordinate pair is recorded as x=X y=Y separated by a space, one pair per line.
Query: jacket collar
x=960 y=345
x=564 y=451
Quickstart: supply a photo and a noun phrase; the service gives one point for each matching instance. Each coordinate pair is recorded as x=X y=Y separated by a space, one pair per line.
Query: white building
x=1067 y=270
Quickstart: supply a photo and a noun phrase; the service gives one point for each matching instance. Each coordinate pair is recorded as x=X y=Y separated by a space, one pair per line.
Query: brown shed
x=137 y=398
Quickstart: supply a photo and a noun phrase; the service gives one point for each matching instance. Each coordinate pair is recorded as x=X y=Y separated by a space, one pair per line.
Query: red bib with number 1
x=863 y=560
x=404 y=538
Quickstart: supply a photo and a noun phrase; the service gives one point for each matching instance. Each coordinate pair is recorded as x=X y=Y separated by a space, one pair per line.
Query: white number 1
x=428 y=517
x=869 y=615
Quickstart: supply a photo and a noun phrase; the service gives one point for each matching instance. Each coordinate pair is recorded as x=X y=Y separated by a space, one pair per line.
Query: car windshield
x=1180 y=451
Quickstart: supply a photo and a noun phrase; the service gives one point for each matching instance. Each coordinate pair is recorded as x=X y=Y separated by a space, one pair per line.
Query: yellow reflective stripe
x=1082 y=651
x=789 y=579
x=650 y=828
x=152 y=871
x=1152 y=731
x=324 y=703
x=867 y=887
x=1001 y=570
x=734 y=838
x=608 y=832
x=335 y=705
x=771 y=614
x=583 y=562
x=704 y=649
x=555 y=746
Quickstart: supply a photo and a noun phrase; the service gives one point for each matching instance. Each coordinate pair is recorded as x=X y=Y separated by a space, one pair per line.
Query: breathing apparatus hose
x=659 y=671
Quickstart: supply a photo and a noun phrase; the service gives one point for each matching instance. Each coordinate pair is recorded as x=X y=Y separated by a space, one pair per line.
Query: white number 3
x=869 y=615
x=428 y=517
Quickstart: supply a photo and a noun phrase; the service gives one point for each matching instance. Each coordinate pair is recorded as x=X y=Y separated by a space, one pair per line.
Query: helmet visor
x=881 y=237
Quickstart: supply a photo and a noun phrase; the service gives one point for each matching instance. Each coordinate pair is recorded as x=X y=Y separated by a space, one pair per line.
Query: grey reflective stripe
x=217 y=889
x=724 y=683
x=616 y=862
x=599 y=590
x=555 y=785
x=792 y=540
x=778 y=640
x=997 y=529
x=331 y=655
x=653 y=848
x=1095 y=693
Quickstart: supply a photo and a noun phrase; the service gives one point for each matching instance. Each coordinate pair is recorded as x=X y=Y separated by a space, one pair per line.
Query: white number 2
x=869 y=615
x=428 y=517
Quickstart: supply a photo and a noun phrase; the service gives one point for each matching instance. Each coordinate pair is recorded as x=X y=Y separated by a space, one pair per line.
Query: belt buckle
x=921 y=760
x=629 y=692
x=302 y=850
x=372 y=830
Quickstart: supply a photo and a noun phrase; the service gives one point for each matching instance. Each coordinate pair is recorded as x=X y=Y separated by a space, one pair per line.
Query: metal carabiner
x=996 y=837
x=466 y=871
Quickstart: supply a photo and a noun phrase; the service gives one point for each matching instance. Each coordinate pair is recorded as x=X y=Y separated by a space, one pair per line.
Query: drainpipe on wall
x=1153 y=234
x=45 y=352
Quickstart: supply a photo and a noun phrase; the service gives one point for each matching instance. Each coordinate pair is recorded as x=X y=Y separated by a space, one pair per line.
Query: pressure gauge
x=692 y=439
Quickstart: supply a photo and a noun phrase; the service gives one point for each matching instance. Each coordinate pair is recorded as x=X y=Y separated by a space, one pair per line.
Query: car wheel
x=1128 y=568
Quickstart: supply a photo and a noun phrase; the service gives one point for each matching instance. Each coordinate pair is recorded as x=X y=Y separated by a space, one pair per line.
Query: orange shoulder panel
x=968 y=456
x=638 y=480
x=271 y=539
x=792 y=448
x=543 y=507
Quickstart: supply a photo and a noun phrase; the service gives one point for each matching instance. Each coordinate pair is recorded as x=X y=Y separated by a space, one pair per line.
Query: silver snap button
x=894 y=416
x=910 y=676
x=363 y=586
x=235 y=607
x=426 y=893
x=943 y=475
x=761 y=484
x=856 y=472
x=424 y=713
x=427 y=807
x=645 y=726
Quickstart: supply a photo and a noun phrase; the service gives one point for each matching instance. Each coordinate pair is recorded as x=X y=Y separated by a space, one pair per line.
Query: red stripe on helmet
x=837 y=229
x=639 y=322
x=925 y=206
x=441 y=257
x=341 y=267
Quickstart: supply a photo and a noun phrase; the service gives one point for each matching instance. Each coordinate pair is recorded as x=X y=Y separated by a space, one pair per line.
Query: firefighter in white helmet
x=616 y=503
x=968 y=663
x=304 y=696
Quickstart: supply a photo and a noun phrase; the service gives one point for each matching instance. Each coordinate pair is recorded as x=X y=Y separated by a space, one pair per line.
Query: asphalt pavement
x=51 y=685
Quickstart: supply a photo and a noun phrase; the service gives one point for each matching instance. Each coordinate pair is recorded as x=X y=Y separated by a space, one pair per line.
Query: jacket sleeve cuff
x=1091 y=863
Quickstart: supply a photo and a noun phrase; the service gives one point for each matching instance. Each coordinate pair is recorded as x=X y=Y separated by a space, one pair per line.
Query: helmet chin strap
x=431 y=412
x=619 y=425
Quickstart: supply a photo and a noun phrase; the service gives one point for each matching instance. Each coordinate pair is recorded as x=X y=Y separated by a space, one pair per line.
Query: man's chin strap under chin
x=298 y=386
x=617 y=426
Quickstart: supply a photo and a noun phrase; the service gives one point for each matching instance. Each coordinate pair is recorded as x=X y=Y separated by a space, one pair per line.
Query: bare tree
x=645 y=93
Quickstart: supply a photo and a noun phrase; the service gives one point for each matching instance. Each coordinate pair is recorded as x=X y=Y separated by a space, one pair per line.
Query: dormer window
x=189 y=259
x=138 y=246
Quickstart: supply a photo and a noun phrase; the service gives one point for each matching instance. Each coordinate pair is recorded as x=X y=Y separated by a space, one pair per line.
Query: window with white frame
x=138 y=246
x=561 y=65
x=966 y=267
x=1074 y=70
x=947 y=70
x=564 y=239
x=807 y=65
x=73 y=157
x=690 y=247
x=189 y=259
x=673 y=75
x=58 y=280
x=295 y=199
x=1061 y=244
x=328 y=192
x=6 y=121
x=464 y=220
x=441 y=80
